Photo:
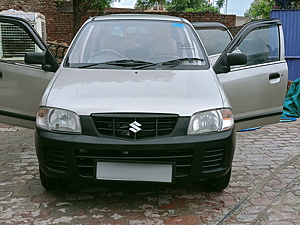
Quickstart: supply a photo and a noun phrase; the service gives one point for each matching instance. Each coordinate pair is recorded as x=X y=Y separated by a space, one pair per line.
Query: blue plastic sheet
x=291 y=105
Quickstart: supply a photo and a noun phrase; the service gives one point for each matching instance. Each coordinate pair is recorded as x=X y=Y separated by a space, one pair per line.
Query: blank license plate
x=134 y=171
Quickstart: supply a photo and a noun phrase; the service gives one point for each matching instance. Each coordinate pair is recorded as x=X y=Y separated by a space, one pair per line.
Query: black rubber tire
x=219 y=183
x=48 y=182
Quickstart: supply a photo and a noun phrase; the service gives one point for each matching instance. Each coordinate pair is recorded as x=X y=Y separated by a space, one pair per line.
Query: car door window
x=14 y=43
x=260 y=46
x=256 y=89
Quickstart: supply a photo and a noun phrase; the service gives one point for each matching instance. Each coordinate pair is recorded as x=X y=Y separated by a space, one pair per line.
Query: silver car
x=136 y=98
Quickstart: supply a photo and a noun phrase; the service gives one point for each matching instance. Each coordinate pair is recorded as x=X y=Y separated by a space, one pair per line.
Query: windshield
x=215 y=39
x=131 y=43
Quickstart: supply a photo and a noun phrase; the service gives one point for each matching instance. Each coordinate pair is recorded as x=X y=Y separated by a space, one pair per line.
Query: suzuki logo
x=135 y=127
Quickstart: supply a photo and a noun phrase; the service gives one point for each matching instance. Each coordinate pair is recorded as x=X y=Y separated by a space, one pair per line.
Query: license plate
x=134 y=171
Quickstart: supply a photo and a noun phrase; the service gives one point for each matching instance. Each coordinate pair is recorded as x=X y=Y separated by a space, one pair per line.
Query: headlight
x=59 y=120
x=211 y=121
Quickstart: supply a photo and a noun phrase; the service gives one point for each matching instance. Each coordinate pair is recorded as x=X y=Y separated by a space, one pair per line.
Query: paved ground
x=264 y=189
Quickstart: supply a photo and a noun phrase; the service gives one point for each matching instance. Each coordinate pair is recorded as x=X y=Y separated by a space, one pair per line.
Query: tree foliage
x=80 y=8
x=181 y=5
x=260 y=9
x=288 y=4
x=147 y=4
x=190 y=5
x=220 y=4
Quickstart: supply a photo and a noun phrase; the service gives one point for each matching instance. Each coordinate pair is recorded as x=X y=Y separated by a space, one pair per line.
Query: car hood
x=87 y=91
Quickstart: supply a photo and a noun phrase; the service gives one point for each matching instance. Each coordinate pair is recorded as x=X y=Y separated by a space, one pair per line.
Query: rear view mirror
x=135 y=30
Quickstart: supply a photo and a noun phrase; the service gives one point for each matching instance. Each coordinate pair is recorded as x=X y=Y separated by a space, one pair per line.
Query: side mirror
x=234 y=59
x=35 y=58
x=226 y=60
x=39 y=58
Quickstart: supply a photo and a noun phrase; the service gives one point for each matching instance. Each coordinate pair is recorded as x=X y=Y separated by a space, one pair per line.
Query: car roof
x=139 y=17
x=208 y=24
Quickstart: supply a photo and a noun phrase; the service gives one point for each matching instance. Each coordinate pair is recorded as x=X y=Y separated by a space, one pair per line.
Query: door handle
x=274 y=76
x=1 y=75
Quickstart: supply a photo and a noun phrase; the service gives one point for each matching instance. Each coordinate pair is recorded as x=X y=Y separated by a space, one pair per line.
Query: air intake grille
x=213 y=159
x=183 y=158
x=135 y=127
x=55 y=159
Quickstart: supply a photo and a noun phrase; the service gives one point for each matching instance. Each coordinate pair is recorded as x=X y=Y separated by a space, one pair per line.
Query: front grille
x=213 y=159
x=85 y=158
x=55 y=159
x=135 y=127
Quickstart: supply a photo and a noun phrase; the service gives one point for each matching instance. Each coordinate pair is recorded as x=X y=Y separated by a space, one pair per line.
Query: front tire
x=219 y=183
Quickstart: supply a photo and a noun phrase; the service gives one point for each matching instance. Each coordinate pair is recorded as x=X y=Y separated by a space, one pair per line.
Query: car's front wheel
x=219 y=183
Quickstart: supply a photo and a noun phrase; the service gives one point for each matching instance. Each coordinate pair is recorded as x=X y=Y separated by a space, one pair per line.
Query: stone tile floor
x=264 y=188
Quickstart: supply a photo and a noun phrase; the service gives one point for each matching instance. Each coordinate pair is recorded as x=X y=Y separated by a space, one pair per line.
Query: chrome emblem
x=135 y=127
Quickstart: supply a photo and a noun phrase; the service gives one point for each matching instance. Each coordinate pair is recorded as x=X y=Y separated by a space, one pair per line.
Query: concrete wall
x=241 y=20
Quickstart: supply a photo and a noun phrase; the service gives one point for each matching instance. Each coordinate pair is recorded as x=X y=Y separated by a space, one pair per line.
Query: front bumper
x=72 y=157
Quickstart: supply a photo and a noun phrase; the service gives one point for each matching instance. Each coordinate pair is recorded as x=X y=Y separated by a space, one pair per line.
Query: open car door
x=256 y=89
x=22 y=85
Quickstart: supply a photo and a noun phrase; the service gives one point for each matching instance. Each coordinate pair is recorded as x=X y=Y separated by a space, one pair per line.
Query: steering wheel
x=109 y=53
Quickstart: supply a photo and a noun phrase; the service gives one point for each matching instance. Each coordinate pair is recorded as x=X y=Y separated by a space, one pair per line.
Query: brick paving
x=264 y=188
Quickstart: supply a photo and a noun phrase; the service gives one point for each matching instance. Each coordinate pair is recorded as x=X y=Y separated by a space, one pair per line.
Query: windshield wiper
x=173 y=62
x=123 y=63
